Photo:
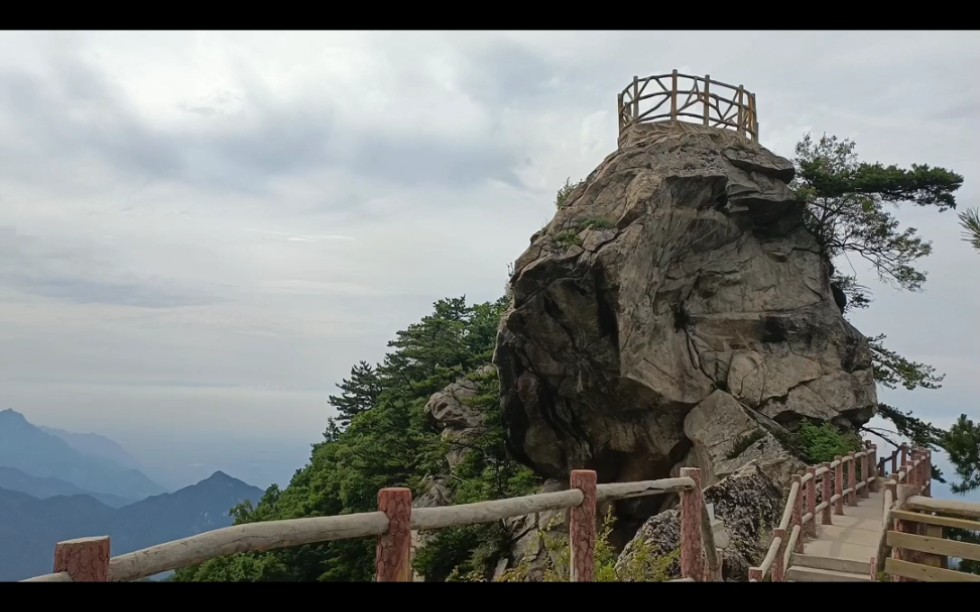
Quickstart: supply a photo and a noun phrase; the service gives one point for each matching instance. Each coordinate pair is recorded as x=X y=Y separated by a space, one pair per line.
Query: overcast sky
x=201 y=232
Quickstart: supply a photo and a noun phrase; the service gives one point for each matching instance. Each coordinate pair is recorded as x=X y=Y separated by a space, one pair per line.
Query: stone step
x=836 y=565
x=812 y=574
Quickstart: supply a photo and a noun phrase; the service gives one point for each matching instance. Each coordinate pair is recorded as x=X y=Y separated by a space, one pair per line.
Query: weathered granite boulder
x=452 y=411
x=749 y=504
x=675 y=305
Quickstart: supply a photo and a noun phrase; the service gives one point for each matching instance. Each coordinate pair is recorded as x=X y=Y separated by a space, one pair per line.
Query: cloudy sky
x=201 y=232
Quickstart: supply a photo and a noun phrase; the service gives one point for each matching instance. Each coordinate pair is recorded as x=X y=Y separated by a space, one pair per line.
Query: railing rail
x=841 y=482
x=914 y=531
x=691 y=98
x=88 y=560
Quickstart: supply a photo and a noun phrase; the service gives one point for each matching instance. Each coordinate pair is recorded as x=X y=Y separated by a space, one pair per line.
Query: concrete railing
x=88 y=559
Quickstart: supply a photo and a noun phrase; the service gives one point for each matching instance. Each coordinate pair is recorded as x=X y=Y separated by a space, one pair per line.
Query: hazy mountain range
x=36 y=452
x=57 y=485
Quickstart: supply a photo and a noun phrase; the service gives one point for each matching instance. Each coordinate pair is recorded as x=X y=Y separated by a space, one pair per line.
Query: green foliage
x=821 y=443
x=891 y=369
x=561 y=198
x=846 y=213
x=846 y=210
x=567 y=238
x=963 y=445
x=643 y=566
x=360 y=393
x=969 y=537
x=388 y=443
x=970 y=222
x=471 y=551
x=815 y=444
x=596 y=224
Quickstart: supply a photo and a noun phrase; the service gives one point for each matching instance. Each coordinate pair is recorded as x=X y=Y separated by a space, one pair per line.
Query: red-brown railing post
x=393 y=555
x=581 y=528
x=839 y=485
x=84 y=559
x=864 y=474
x=798 y=515
x=811 y=501
x=826 y=494
x=692 y=560
x=904 y=448
x=778 y=571
x=895 y=461
x=852 y=479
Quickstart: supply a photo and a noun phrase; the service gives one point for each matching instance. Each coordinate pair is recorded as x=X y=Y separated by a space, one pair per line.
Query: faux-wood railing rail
x=88 y=559
x=800 y=511
x=691 y=99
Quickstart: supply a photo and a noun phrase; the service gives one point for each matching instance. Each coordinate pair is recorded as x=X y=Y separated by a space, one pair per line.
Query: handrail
x=392 y=521
x=736 y=110
x=55 y=577
x=798 y=523
x=913 y=531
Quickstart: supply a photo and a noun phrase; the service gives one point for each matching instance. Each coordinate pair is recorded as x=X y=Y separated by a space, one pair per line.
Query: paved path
x=842 y=552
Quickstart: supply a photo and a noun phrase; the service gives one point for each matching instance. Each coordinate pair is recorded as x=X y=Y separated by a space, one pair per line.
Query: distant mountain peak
x=12 y=416
x=220 y=476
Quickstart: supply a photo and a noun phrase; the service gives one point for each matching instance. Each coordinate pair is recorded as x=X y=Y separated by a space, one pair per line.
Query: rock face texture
x=675 y=312
x=748 y=503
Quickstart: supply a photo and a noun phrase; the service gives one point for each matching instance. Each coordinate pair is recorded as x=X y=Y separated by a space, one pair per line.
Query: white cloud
x=205 y=212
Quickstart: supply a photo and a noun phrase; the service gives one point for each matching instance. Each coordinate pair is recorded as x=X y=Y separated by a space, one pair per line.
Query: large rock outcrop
x=675 y=312
x=748 y=503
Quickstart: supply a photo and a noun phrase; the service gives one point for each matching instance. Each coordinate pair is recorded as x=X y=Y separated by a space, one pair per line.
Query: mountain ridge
x=32 y=526
x=38 y=453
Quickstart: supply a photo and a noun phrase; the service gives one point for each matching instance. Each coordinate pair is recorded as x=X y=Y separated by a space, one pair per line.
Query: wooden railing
x=913 y=529
x=88 y=559
x=689 y=98
x=802 y=507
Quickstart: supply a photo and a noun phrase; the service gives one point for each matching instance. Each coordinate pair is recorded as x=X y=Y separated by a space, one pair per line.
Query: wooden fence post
x=798 y=515
x=826 y=494
x=692 y=561
x=902 y=493
x=673 y=96
x=904 y=448
x=851 y=479
x=895 y=461
x=778 y=571
x=636 y=97
x=393 y=555
x=707 y=98
x=581 y=528
x=741 y=111
x=811 y=501
x=84 y=559
x=839 y=485
x=864 y=474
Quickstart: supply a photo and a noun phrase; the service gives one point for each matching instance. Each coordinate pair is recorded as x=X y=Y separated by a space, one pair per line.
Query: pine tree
x=360 y=393
x=846 y=211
